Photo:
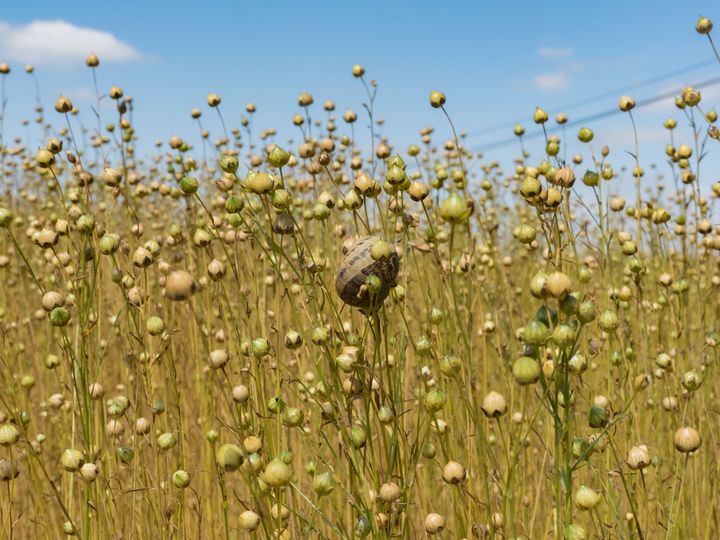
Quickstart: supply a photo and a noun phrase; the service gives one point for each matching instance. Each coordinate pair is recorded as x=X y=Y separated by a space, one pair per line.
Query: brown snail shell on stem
x=355 y=269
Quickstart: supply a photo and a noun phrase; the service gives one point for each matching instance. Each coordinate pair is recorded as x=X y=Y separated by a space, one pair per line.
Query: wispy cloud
x=710 y=97
x=622 y=137
x=82 y=93
x=60 y=42
x=556 y=52
x=552 y=81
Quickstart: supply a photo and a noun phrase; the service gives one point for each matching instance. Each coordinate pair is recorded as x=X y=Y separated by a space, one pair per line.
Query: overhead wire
x=604 y=95
x=593 y=117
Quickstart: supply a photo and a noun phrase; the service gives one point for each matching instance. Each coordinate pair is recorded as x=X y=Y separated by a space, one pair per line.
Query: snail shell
x=357 y=265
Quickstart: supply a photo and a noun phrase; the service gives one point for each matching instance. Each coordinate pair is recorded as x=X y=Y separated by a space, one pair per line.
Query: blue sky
x=495 y=61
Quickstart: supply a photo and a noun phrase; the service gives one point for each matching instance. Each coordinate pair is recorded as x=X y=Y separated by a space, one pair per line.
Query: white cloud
x=83 y=93
x=59 y=42
x=555 y=80
x=556 y=52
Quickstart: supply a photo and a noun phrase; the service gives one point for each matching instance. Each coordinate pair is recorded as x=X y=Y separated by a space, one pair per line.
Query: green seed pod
x=72 y=460
x=423 y=345
x=59 y=316
x=629 y=247
x=641 y=381
x=563 y=335
x=229 y=457
x=597 y=417
x=385 y=414
x=381 y=250
x=6 y=218
x=85 y=224
x=281 y=199
x=530 y=187
x=664 y=361
x=395 y=175
x=535 y=333
x=323 y=484
x=546 y=315
x=202 y=238
x=277 y=473
x=45 y=159
x=437 y=99
x=363 y=527
x=276 y=405
x=428 y=450
x=115 y=409
x=278 y=157
x=538 y=285
x=320 y=212
x=188 y=186
x=552 y=148
x=358 y=437
x=109 y=243
x=249 y=521
x=581 y=447
x=450 y=365
x=704 y=26
x=569 y=305
x=584 y=274
x=258 y=183
x=293 y=417
x=609 y=321
x=635 y=265
x=293 y=340
x=9 y=434
x=434 y=401
x=585 y=134
x=540 y=116
x=435 y=316
x=155 y=325
x=526 y=370
x=586 y=498
x=319 y=335
x=51 y=361
x=234 y=205
x=587 y=312
x=577 y=364
x=526 y=234
x=125 y=454
x=455 y=209
x=229 y=164
x=591 y=179
x=181 y=479
x=259 y=347
x=692 y=380
x=166 y=441
x=346 y=362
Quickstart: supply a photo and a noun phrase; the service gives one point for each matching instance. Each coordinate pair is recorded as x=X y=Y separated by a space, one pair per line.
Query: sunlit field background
x=468 y=329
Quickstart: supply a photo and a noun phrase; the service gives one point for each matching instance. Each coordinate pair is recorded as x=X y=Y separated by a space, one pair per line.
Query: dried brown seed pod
x=358 y=266
x=179 y=286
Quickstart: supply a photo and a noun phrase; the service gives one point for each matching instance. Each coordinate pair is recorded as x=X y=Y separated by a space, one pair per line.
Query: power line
x=594 y=117
x=609 y=93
